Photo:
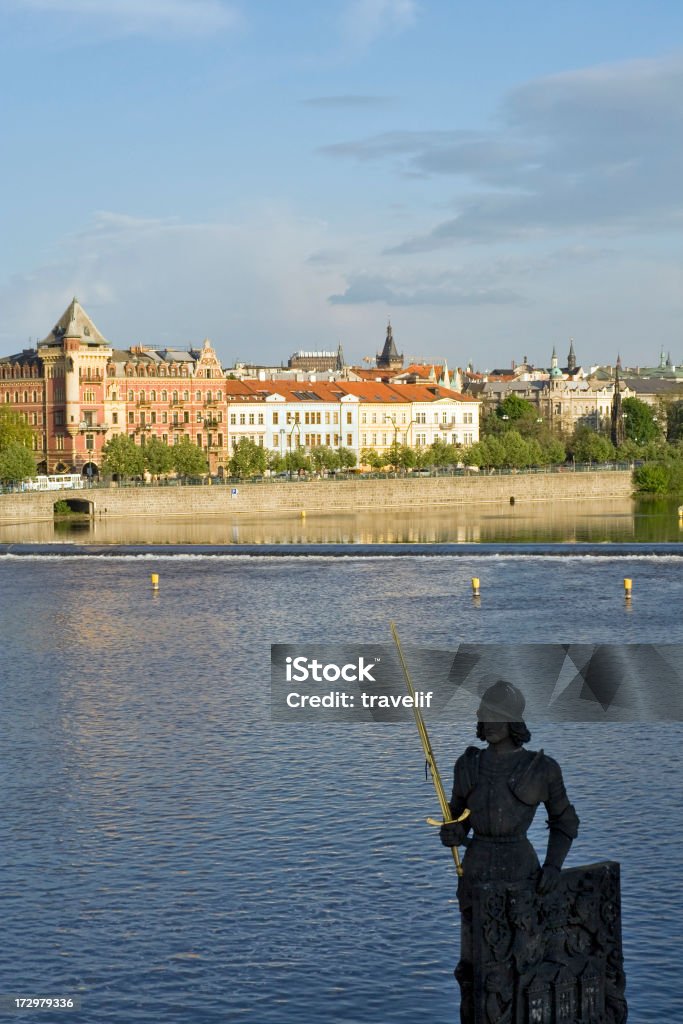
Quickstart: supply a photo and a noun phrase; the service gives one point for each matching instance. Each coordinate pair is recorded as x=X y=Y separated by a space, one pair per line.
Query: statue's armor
x=502 y=792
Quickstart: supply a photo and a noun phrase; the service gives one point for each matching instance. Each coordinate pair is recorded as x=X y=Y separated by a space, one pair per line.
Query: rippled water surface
x=169 y=855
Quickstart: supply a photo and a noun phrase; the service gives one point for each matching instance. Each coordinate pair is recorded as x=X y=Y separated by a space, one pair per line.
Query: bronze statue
x=502 y=786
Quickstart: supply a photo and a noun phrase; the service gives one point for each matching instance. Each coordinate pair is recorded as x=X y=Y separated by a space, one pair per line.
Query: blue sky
x=495 y=177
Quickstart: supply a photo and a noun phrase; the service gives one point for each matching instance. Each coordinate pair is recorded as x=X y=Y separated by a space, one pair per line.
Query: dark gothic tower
x=571 y=358
x=617 y=432
x=389 y=358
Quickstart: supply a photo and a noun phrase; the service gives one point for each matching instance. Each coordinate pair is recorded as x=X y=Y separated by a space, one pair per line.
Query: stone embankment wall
x=321 y=495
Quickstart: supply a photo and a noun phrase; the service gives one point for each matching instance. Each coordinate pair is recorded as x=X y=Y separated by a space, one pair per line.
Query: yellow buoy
x=155 y=580
x=475 y=586
x=303 y=513
x=628 y=585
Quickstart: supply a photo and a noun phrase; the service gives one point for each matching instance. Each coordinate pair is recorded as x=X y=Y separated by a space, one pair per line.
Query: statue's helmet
x=501 y=702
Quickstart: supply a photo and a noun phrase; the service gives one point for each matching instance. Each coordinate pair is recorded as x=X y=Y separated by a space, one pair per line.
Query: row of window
x=151 y=396
x=35 y=397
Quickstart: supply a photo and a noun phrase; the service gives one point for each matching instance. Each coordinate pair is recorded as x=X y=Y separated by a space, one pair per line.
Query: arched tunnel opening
x=78 y=506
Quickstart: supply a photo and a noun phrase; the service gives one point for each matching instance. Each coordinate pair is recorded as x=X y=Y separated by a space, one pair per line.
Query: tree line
x=511 y=436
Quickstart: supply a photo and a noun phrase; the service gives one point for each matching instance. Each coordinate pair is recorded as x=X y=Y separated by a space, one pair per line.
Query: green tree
x=515 y=409
x=424 y=458
x=515 y=450
x=674 y=421
x=554 y=451
x=640 y=424
x=122 y=457
x=16 y=462
x=347 y=458
x=588 y=446
x=323 y=457
x=189 y=459
x=248 y=459
x=369 y=457
x=158 y=457
x=297 y=460
x=275 y=462
x=14 y=429
x=652 y=478
x=446 y=454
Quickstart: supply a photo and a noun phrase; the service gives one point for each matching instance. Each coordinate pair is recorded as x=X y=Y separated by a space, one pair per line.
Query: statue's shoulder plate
x=530 y=781
x=467 y=770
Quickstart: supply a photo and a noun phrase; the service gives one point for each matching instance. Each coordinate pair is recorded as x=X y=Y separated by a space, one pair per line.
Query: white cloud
x=246 y=285
x=592 y=151
x=142 y=17
x=363 y=21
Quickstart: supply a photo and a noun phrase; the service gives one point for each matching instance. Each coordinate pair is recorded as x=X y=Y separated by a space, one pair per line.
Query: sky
x=277 y=175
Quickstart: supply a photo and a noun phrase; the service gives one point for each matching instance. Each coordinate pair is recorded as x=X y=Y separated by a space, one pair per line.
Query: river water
x=170 y=854
x=618 y=520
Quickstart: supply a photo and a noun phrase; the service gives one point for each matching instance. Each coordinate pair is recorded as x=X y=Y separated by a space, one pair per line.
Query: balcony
x=86 y=426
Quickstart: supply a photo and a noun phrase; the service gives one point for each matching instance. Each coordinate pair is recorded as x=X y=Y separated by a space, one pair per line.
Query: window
x=175 y=396
x=186 y=417
x=130 y=396
x=143 y=419
x=252 y=419
x=260 y=419
x=89 y=442
x=60 y=442
x=243 y=419
x=364 y=440
x=219 y=398
x=349 y=439
x=153 y=396
x=115 y=418
x=233 y=419
x=152 y=417
x=198 y=396
x=220 y=440
x=164 y=438
x=467 y=418
x=131 y=417
x=384 y=439
x=199 y=417
x=164 y=417
x=199 y=440
x=276 y=419
x=349 y=417
x=164 y=396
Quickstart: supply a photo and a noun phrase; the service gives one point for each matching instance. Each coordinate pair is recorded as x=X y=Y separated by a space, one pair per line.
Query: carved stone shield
x=555 y=959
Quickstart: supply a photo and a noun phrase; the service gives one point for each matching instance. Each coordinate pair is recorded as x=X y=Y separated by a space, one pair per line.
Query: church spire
x=571 y=358
x=389 y=358
x=617 y=431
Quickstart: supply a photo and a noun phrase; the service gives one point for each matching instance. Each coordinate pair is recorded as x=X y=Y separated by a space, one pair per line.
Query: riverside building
x=76 y=390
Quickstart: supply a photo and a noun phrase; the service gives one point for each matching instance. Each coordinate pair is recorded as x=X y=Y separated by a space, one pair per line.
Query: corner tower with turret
x=75 y=356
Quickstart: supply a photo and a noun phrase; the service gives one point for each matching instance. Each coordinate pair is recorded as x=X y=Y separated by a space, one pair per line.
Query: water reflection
x=609 y=520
